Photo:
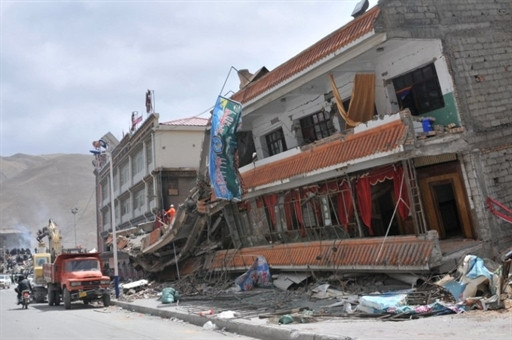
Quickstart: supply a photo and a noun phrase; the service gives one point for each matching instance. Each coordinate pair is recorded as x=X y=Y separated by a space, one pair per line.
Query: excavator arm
x=54 y=238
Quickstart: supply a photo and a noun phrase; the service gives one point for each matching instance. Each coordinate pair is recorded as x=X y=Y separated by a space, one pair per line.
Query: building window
x=125 y=206
x=151 y=191
x=275 y=142
x=105 y=190
x=316 y=126
x=137 y=162
x=125 y=173
x=149 y=153
x=106 y=216
x=138 y=199
x=419 y=90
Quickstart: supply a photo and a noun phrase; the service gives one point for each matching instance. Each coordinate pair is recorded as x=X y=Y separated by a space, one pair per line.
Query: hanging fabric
x=288 y=210
x=298 y=212
x=339 y=104
x=364 y=201
x=362 y=102
x=270 y=204
x=345 y=205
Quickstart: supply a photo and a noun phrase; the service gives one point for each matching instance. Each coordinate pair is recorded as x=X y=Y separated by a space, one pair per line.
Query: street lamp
x=74 y=211
x=101 y=147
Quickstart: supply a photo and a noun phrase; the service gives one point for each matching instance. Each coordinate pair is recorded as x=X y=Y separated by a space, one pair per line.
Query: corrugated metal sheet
x=327 y=46
x=193 y=121
x=393 y=254
x=384 y=138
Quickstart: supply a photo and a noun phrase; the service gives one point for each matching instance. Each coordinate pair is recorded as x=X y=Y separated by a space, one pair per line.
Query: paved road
x=89 y=322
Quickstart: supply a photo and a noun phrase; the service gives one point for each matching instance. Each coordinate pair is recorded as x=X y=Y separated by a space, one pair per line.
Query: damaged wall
x=477 y=45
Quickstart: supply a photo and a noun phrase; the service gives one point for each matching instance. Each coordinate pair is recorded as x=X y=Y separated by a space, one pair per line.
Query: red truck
x=76 y=276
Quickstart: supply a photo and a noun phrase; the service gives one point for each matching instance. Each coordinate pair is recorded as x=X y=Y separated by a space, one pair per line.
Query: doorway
x=445 y=201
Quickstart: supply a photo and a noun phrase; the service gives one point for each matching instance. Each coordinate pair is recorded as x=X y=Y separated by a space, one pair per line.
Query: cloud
x=72 y=71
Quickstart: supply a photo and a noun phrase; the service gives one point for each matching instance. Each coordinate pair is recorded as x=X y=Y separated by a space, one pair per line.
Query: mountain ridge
x=35 y=188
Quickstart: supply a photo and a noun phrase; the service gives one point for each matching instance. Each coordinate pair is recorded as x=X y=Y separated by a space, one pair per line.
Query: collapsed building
x=376 y=149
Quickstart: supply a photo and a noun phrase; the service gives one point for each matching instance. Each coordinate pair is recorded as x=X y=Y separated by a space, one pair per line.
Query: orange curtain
x=362 y=102
x=364 y=201
x=345 y=204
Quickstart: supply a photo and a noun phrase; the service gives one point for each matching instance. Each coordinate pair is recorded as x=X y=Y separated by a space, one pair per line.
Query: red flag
x=135 y=120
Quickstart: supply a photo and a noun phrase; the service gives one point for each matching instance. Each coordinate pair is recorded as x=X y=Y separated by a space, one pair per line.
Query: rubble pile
x=308 y=297
x=16 y=261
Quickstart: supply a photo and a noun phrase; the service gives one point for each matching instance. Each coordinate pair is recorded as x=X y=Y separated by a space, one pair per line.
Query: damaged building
x=383 y=147
x=154 y=166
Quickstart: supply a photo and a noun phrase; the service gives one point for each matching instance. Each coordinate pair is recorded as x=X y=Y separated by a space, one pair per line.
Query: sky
x=71 y=71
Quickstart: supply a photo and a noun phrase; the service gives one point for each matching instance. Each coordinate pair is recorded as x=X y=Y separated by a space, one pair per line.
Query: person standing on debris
x=170 y=213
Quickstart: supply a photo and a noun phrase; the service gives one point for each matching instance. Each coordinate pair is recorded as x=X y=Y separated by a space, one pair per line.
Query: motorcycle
x=25 y=299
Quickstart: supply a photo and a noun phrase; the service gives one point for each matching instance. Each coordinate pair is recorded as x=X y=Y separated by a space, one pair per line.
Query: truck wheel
x=66 y=296
x=106 y=300
x=56 y=297
x=51 y=297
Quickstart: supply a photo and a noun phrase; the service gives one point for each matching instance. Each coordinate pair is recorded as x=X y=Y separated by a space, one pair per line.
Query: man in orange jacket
x=170 y=213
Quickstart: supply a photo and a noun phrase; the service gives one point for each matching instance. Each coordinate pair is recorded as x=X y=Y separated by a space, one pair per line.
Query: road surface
x=41 y=322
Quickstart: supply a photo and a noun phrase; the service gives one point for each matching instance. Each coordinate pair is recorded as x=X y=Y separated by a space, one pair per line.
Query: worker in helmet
x=170 y=213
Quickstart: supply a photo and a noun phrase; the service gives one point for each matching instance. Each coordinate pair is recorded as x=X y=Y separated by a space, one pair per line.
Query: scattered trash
x=228 y=314
x=169 y=295
x=324 y=292
x=257 y=275
x=210 y=326
x=380 y=304
x=284 y=281
x=206 y=312
x=285 y=319
x=135 y=285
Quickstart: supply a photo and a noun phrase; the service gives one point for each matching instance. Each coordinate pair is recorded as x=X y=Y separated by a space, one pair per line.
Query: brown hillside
x=36 y=188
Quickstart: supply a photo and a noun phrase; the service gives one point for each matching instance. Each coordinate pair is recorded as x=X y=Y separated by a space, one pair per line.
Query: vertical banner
x=227 y=116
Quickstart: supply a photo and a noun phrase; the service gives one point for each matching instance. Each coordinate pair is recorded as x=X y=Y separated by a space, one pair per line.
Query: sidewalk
x=468 y=325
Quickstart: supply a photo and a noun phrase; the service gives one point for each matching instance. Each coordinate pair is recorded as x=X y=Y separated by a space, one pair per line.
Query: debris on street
x=309 y=297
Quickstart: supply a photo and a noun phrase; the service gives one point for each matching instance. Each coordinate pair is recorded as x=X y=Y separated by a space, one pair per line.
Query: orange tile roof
x=328 y=45
x=384 y=138
x=397 y=253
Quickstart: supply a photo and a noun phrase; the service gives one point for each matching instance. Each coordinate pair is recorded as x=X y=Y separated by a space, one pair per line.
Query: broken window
x=316 y=126
x=419 y=90
x=275 y=142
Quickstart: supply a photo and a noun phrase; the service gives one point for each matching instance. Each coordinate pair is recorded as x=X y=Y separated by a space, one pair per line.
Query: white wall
x=178 y=148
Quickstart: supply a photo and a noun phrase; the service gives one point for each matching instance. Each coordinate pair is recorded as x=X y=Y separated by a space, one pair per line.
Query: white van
x=5 y=281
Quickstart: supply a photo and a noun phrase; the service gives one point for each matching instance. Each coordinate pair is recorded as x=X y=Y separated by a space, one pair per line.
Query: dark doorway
x=448 y=212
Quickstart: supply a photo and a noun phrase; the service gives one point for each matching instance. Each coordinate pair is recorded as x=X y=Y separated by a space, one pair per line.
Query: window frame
x=419 y=90
x=316 y=126
x=275 y=141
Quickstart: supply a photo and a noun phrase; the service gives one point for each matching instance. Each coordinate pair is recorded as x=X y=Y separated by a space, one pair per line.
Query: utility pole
x=74 y=211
